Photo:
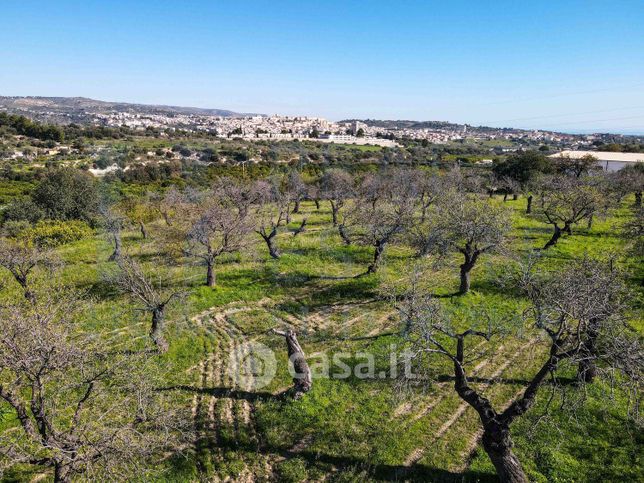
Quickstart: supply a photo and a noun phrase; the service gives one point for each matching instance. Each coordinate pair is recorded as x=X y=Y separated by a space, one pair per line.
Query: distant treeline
x=622 y=147
x=24 y=126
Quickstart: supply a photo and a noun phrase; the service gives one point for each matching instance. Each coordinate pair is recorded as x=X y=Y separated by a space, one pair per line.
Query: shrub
x=51 y=233
x=15 y=228
x=22 y=209
x=67 y=194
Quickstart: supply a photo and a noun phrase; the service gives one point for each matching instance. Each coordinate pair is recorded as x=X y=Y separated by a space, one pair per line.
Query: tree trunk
x=334 y=213
x=465 y=279
x=515 y=196
x=555 y=237
x=377 y=255
x=567 y=229
x=505 y=197
x=302 y=379
x=587 y=369
x=638 y=199
x=343 y=233
x=270 y=243
x=22 y=280
x=117 y=247
x=590 y=221
x=210 y=273
x=498 y=446
x=317 y=203
x=156 y=332
x=144 y=231
x=528 y=209
x=61 y=473
x=300 y=228
x=296 y=208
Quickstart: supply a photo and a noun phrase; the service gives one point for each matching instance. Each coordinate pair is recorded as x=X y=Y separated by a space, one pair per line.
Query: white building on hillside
x=608 y=160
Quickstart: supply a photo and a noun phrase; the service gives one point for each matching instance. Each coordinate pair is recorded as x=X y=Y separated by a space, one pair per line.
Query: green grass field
x=356 y=429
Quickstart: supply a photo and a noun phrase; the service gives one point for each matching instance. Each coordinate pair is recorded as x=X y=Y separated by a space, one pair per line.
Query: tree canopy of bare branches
x=21 y=260
x=79 y=409
x=336 y=186
x=467 y=225
x=579 y=324
x=564 y=202
x=271 y=212
x=150 y=294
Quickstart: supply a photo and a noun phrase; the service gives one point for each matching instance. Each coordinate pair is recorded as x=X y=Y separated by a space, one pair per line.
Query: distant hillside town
x=228 y=124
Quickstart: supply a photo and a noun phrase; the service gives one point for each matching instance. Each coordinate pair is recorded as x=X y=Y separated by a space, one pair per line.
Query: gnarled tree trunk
x=528 y=209
x=334 y=212
x=144 y=231
x=497 y=443
x=343 y=234
x=377 y=256
x=270 y=243
x=117 y=247
x=300 y=228
x=302 y=379
x=156 y=331
x=210 y=273
x=555 y=237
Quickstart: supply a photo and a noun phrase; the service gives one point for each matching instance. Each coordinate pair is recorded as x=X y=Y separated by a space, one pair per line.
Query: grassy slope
x=353 y=429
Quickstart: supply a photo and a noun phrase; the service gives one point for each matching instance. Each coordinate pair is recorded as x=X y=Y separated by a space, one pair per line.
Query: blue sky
x=565 y=65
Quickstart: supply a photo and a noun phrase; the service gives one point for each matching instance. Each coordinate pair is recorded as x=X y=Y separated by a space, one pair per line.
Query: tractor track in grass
x=407 y=406
x=416 y=455
x=221 y=419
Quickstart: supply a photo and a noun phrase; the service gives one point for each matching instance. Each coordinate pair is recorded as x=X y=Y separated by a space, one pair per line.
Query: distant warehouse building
x=607 y=160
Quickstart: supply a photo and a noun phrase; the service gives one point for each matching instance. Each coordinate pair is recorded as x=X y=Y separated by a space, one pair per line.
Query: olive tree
x=336 y=186
x=565 y=314
x=467 y=225
x=220 y=228
x=80 y=409
x=271 y=213
x=380 y=216
x=149 y=292
x=21 y=260
x=563 y=202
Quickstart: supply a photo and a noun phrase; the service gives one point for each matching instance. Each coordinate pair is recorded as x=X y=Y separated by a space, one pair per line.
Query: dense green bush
x=53 y=233
x=22 y=209
x=67 y=194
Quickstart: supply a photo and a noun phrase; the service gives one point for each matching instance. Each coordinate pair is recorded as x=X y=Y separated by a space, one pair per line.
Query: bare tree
x=379 y=218
x=271 y=213
x=113 y=223
x=468 y=225
x=564 y=202
x=79 y=409
x=630 y=179
x=21 y=260
x=336 y=186
x=302 y=380
x=220 y=229
x=564 y=310
x=430 y=187
x=297 y=189
x=150 y=294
